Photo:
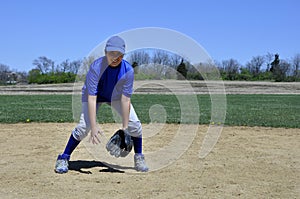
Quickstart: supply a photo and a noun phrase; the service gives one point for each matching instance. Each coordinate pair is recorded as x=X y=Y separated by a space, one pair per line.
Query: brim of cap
x=111 y=48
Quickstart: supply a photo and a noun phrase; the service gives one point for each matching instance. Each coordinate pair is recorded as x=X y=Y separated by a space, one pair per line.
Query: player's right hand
x=94 y=138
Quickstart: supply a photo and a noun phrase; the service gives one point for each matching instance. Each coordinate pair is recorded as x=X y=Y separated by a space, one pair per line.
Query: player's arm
x=125 y=104
x=92 y=102
x=125 y=98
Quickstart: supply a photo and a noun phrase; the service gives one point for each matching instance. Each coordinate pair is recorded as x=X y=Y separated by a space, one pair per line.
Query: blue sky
x=70 y=29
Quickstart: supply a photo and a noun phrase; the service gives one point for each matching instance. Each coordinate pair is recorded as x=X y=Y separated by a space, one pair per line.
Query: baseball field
x=257 y=154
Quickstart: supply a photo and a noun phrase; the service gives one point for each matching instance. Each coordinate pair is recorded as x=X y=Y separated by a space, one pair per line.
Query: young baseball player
x=109 y=80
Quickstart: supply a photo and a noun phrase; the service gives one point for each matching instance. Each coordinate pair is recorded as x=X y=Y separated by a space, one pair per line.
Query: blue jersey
x=108 y=83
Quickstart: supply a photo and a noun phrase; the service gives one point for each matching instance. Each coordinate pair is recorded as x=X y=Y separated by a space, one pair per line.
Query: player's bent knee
x=135 y=129
x=79 y=134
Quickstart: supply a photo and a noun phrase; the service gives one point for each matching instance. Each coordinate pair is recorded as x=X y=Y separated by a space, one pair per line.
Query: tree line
x=45 y=71
x=267 y=67
x=164 y=65
x=160 y=64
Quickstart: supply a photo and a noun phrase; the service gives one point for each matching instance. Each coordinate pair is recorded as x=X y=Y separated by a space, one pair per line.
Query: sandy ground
x=245 y=163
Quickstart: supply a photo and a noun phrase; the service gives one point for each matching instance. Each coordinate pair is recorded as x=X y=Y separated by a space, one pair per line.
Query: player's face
x=114 y=58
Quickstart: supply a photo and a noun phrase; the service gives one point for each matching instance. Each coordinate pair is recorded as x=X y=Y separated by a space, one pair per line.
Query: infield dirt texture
x=246 y=162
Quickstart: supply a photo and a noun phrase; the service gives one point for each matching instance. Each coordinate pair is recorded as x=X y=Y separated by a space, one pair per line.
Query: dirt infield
x=245 y=163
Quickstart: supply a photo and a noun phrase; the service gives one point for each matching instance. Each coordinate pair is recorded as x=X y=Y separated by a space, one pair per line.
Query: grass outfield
x=245 y=110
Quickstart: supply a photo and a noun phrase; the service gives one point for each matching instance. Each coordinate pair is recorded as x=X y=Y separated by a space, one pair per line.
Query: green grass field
x=245 y=110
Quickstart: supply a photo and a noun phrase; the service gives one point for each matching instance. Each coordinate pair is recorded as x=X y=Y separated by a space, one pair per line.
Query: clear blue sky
x=70 y=29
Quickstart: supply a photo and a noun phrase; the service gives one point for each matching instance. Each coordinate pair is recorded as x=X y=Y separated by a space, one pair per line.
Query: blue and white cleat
x=62 y=163
x=139 y=163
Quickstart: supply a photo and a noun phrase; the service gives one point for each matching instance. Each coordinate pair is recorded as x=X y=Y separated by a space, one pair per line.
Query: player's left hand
x=120 y=144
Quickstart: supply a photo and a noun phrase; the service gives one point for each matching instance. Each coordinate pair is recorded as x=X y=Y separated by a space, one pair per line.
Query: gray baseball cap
x=115 y=43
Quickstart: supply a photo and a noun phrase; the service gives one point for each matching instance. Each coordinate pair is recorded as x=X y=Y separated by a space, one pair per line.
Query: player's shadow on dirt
x=78 y=165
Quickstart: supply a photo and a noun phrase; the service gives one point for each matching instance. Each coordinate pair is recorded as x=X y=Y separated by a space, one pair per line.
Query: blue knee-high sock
x=137 y=143
x=72 y=144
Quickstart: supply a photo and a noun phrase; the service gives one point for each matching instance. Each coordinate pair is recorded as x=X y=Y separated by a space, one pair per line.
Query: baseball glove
x=120 y=144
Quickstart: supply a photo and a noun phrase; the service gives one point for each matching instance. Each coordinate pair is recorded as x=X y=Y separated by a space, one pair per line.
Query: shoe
x=139 y=162
x=62 y=163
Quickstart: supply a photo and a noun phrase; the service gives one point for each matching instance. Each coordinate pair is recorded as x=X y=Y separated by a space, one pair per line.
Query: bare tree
x=208 y=70
x=44 y=64
x=254 y=66
x=231 y=67
x=285 y=67
x=175 y=60
x=160 y=57
x=71 y=67
x=296 y=65
x=139 y=57
x=84 y=67
x=161 y=62
x=74 y=66
x=65 y=66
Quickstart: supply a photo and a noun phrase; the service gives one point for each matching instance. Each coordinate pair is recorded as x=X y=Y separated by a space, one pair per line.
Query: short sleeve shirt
x=108 y=83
